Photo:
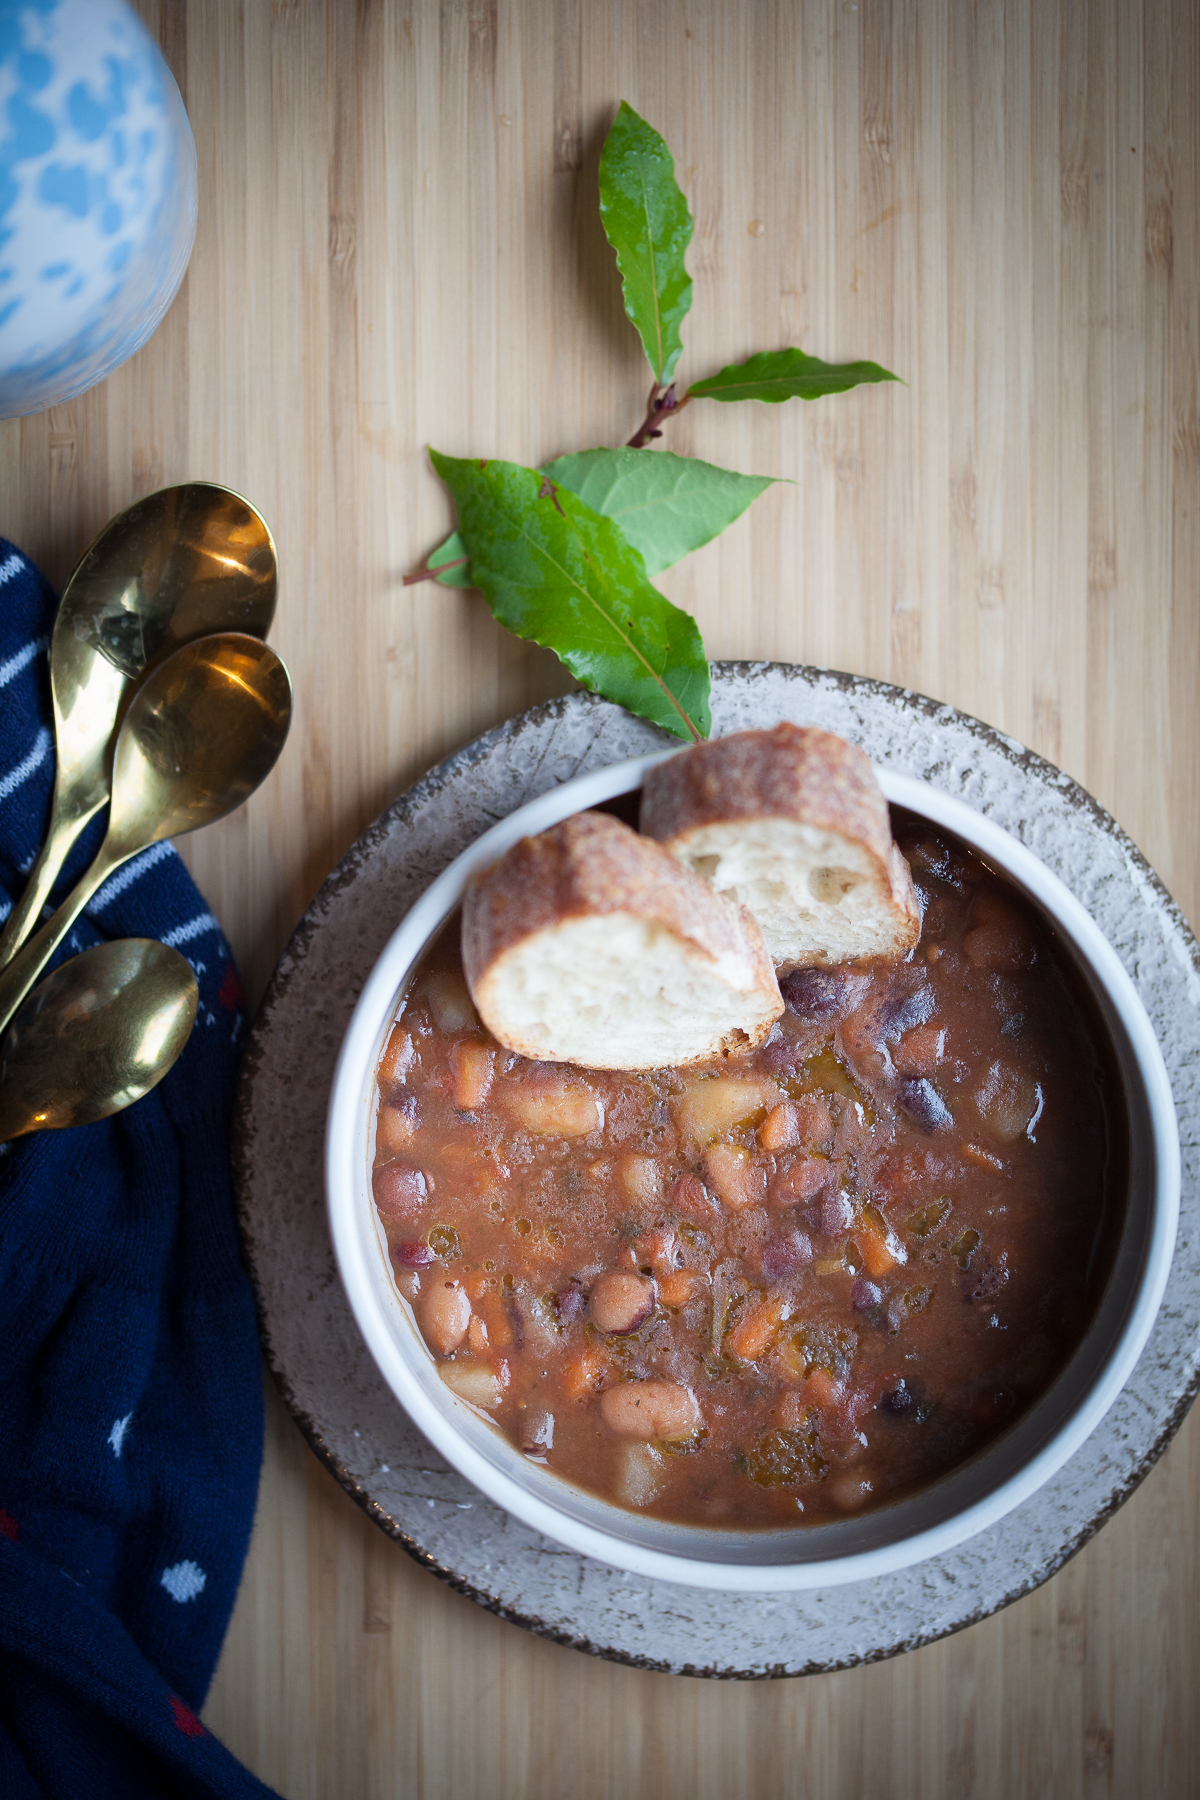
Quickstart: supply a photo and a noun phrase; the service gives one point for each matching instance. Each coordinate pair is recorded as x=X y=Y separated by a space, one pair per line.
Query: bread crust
x=591 y=865
x=795 y=772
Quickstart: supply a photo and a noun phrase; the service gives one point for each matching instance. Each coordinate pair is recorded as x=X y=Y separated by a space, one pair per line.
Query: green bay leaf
x=775 y=375
x=647 y=222
x=666 y=505
x=554 y=570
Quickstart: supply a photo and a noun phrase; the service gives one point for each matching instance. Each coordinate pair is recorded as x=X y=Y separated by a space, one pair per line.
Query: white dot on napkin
x=184 y=1580
x=116 y=1436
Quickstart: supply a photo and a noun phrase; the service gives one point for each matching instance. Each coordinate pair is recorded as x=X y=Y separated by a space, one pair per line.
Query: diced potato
x=641 y=1177
x=477 y=1336
x=707 y=1109
x=638 y=1474
x=478 y=1383
x=1008 y=1100
x=555 y=1107
x=780 y=1129
x=751 y=1336
x=471 y=1066
x=449 y=1001
x=734 y=1176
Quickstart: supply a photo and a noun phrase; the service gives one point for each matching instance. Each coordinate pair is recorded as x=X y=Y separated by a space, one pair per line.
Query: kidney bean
x=864 y=1294
x=814 y=994
x=783 y=1256
x=621 y=1302
x=569 y=1303
x=412 y=1254
x=801 y=1180
x=399 y=1189
x=444 y=1312
x=831 y=1216
x=924 y=1105
x=898 y=1402
x=650 y=1411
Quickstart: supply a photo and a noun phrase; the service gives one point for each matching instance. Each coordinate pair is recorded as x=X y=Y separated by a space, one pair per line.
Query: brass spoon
x=203 y=730
x=182 y=563
x=95 y=1036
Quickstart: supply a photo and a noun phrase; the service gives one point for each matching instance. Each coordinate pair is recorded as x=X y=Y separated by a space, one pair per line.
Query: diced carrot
x=752 y=1334
x=585 y=1373
x=471 y=1063
x=677 y=1288
x=396 y=1060
x=495 y=1315
x=873 y=1248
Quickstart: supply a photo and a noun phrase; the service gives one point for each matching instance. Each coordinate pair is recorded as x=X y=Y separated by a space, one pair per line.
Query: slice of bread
x=792 y=824
x=592 y=945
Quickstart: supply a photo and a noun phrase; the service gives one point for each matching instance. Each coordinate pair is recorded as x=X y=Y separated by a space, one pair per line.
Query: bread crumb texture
x=590 y=944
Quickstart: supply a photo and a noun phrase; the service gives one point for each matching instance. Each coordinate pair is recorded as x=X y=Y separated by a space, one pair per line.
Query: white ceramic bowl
x=959 y=1504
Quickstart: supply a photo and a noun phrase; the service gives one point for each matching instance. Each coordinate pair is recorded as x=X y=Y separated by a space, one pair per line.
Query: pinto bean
x=399 y=1189
x=650 y=1411
x=621 y=1301
x=396 y=1126
x=734 y=1176
x=444 y=1313
x=780 y=1128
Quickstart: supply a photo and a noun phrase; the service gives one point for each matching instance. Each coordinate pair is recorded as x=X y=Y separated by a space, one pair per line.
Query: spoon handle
x=70 y=813
x=18 y=977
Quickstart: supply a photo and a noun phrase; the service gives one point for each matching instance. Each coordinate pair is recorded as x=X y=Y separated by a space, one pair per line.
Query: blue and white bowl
x=97 y=195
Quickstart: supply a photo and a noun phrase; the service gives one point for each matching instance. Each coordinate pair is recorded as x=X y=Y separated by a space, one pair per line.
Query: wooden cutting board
x=399 y=246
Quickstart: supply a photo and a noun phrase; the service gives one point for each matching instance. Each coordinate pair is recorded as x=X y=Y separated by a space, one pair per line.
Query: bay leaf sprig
x=554 y=569
x=564 y=554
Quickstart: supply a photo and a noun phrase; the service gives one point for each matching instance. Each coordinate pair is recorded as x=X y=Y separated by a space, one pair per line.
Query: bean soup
x=783 y=1286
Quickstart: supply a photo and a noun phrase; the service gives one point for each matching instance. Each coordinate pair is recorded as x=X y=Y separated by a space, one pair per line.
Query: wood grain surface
x=399 y=245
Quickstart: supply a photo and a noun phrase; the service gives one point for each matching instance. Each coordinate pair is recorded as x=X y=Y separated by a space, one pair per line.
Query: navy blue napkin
x=130 y=1397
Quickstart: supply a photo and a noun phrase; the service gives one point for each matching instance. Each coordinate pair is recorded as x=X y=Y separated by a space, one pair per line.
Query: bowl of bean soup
x=794 y=1317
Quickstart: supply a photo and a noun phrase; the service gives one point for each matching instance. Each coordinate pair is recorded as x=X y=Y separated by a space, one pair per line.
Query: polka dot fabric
x=130 y=1396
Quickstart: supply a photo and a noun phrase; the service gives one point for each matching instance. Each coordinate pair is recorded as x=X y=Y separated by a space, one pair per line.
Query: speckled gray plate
x=325 y=1372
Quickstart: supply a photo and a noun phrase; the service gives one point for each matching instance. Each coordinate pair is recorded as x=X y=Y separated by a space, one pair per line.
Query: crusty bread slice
x=592 y=945
x=793 y=824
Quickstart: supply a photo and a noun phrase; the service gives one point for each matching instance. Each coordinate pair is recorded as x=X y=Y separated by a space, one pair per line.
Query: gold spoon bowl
x=95 y=1036
x=181 y=564
x=205 y=727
